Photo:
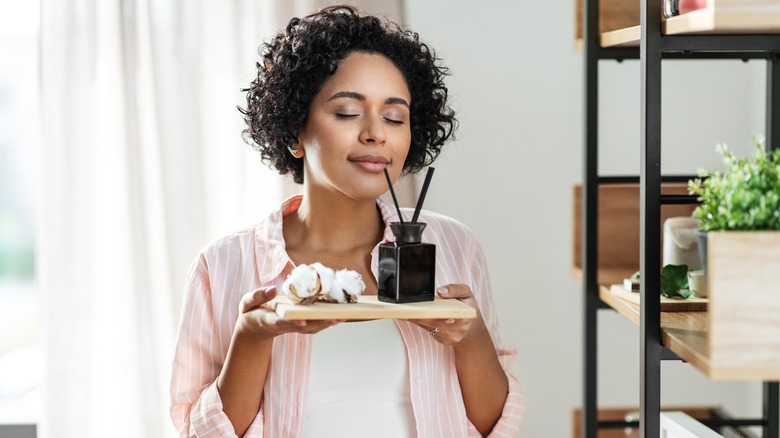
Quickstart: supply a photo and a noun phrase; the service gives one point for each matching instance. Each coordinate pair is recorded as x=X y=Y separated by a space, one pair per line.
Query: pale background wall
x=517 y=83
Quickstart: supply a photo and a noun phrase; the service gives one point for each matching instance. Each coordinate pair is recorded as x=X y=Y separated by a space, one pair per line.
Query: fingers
x=256 y=298
x=279 y=325
x=260 y=322
x=307 y=327
x=426 y=324
x=443 y=324
x=448 y=325
x=457 y=291
x=445 y=331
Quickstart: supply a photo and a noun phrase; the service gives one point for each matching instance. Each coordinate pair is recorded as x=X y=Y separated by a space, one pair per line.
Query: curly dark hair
x=299 y=59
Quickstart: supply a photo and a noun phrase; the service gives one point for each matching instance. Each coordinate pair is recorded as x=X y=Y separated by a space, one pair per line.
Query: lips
x=371 y=162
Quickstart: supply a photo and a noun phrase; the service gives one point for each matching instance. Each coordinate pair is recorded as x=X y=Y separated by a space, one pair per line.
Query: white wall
x=517 y=84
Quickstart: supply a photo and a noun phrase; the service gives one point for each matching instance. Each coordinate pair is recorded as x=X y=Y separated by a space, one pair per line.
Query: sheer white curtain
x=143 y=164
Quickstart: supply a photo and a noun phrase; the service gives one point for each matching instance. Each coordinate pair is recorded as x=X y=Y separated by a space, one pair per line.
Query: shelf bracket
x=667 y=354
x=771 y=407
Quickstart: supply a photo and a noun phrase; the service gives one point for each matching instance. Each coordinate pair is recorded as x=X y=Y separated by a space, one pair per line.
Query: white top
x=359 y=383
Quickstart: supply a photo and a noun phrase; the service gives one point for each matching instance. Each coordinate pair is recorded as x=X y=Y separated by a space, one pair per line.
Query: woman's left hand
x=452 y=331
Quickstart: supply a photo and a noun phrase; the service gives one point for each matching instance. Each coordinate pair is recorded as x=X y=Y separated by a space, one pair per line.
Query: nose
x=373 y=130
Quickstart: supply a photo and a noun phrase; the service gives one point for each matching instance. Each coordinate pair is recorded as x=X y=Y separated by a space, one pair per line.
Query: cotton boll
x=302 y=284
x=317 y=282
x=326 y=276
x=351 y=283
x=336 y=294
x=289 y=291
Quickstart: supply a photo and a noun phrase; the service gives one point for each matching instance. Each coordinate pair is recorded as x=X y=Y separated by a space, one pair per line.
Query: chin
x=365 y=186
x=368 y=192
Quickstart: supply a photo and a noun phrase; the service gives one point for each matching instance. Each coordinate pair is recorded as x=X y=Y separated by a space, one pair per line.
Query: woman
x=338 y=99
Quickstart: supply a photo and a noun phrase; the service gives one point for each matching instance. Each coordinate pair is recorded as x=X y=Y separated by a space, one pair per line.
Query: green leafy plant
x=746 y=196
x=674 y=281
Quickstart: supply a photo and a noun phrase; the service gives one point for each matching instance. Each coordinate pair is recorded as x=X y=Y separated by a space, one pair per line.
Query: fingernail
x=449 y=321
x=442 y=291
x=271 y=291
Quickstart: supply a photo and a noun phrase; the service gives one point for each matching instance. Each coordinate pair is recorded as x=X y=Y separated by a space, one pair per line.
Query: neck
x=333 y=223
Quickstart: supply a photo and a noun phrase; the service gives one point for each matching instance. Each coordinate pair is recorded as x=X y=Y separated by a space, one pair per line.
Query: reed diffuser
x=407 y=266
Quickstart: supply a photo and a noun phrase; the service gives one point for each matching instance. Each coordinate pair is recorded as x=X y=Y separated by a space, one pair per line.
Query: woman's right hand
x=258 y=321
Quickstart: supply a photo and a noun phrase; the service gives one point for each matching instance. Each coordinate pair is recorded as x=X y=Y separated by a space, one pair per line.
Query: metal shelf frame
x=653 y=49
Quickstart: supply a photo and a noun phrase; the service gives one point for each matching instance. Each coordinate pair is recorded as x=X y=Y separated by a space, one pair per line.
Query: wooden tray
x=369 y=307
x=667 y=304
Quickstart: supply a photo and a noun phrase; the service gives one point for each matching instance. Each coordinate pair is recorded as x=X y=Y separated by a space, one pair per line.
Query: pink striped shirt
x=256 y=257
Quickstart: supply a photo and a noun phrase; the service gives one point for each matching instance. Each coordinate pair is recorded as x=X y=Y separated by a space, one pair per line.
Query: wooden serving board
x=369 y=307
x=667 y=304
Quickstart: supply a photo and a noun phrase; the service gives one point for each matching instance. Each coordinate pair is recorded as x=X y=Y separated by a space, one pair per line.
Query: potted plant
x=744 y=197
x=740 y=212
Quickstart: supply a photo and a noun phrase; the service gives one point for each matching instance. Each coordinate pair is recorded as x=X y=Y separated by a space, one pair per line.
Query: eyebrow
x=362 y=98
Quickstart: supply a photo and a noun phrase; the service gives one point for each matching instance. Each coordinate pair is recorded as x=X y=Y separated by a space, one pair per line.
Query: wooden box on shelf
x=613 y=15
x=728 y=16
x=618 y=227
x=743 y=280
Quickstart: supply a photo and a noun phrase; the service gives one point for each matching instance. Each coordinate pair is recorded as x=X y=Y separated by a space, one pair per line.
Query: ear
x=296 y=150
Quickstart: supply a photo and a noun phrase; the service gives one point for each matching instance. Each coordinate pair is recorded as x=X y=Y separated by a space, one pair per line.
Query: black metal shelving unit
x=653 y=49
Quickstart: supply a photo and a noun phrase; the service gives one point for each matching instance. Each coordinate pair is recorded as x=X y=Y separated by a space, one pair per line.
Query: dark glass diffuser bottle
x=407 y=266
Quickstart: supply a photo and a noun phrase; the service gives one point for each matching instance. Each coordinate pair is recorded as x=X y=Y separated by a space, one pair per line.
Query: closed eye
x=346 y=115
x=394 y=121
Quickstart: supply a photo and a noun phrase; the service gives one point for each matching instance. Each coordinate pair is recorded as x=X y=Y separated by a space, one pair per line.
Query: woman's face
x=358 y=125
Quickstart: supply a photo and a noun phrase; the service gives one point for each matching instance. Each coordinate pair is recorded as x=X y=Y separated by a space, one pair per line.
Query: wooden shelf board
x=686 y=334
x=692 y=304
x=728 y=19
x=628 y=37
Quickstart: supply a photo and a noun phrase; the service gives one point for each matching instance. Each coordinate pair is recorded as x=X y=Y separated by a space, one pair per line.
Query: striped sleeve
x=511 y=418
x=196 y=407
